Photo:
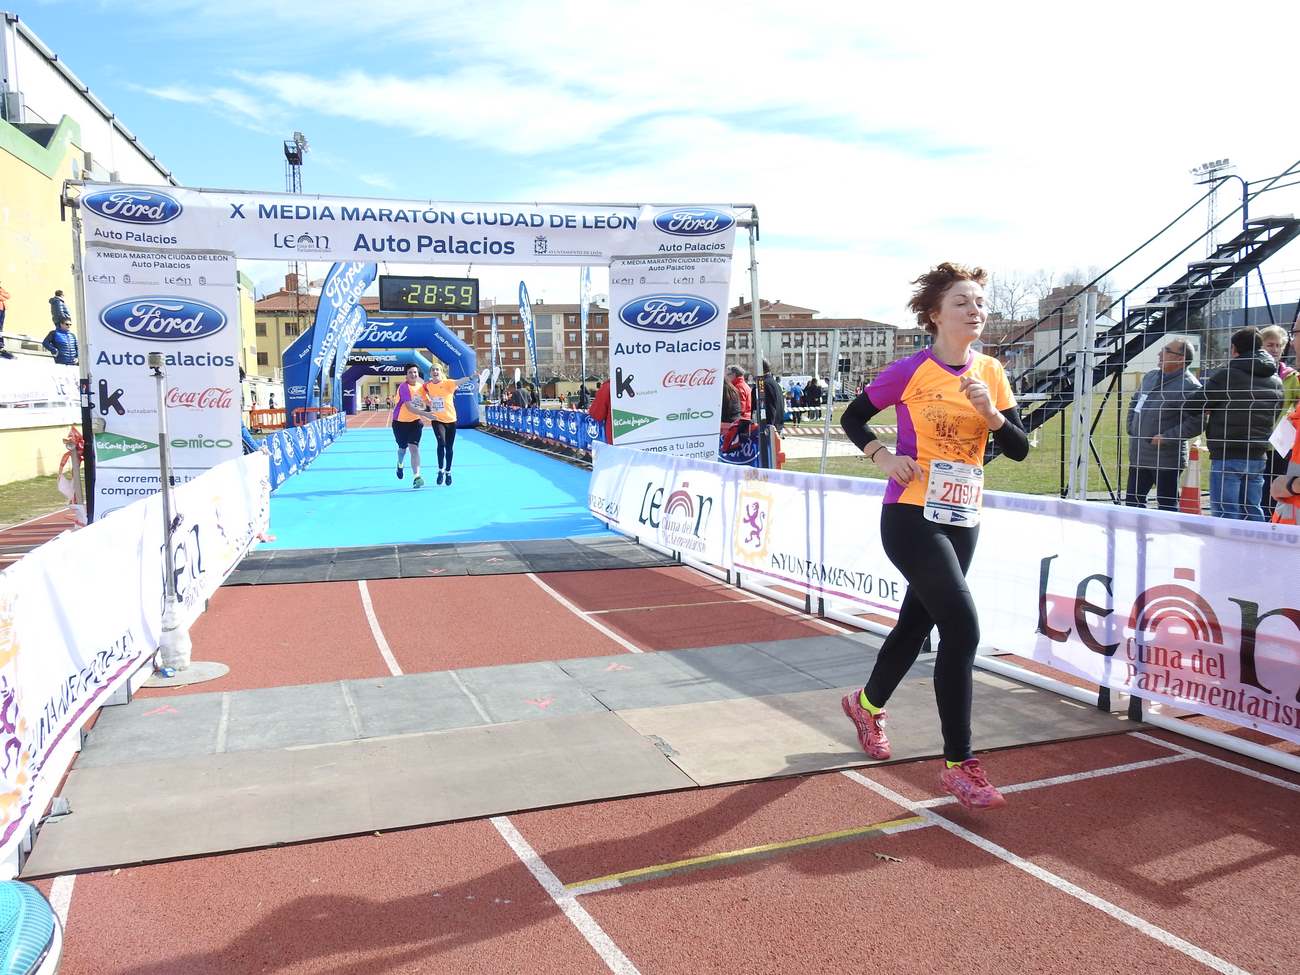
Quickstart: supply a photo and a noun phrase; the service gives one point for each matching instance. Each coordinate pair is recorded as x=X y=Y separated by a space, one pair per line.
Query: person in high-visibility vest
x=1285 y=488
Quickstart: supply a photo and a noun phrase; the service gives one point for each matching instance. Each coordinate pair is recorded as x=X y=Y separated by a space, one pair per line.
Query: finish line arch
x=363 y=364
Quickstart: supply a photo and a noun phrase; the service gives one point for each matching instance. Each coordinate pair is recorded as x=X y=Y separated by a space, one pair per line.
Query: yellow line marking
x=719 y=858
x=635 y=609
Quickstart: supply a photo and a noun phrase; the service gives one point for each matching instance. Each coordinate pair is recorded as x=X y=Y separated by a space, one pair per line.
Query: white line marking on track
x=1066 y=779
x=478 y=705
x=61 y=897
x=709 y=602
x=604 y=946
x=582 y=615
x=223 y=723
x=1142 y=925
x=760 y=597
x=1193 y=753
x=376 y=632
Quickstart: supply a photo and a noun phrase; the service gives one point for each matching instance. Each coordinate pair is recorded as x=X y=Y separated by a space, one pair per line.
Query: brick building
x=796 y=342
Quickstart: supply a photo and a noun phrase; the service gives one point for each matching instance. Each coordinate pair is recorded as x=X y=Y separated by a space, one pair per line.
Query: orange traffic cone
x=1189 y=498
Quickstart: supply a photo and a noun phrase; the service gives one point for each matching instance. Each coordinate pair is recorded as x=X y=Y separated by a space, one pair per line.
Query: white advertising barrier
x=185 y=306
x=273 y=226
x=667 y=333
x=36 y=391
x=1199 y=613
x=81 y=613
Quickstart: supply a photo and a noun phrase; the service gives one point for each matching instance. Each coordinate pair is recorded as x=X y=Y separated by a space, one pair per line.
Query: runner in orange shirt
x=407 y=423
x=438 y=393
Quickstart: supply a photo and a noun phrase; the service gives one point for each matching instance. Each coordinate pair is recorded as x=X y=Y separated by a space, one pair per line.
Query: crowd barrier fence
x=1149 y=603
x=81 y=619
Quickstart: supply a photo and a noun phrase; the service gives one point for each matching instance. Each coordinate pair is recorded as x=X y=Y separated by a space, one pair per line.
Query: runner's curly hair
x=931 y=286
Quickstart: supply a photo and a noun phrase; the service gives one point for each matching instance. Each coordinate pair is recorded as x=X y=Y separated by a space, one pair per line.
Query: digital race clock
x=400 y=293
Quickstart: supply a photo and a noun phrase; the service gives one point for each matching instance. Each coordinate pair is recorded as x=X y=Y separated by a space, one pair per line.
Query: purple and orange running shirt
x=935 y=419
x=401 y=413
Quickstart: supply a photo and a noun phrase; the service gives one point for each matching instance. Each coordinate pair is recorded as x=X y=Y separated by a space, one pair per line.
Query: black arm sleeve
x=854 y=421
x=1010 y=437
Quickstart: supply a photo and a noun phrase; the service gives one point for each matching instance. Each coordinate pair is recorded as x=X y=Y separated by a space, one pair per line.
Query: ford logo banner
x=694 y=222
x=163 y=319
x=134 y=206
x=668 y=313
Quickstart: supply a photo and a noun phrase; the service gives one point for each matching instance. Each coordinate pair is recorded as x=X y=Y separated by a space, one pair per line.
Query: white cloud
x=874 y=141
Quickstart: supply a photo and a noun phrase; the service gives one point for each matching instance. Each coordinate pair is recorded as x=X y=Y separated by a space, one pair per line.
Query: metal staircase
x=1047 y=386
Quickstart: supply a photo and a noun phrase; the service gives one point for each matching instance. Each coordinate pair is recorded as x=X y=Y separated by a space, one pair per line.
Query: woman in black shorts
x=408 y=422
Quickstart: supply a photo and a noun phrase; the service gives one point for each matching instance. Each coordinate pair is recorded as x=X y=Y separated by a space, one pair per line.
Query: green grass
x=1039 y=473
x=22 y=500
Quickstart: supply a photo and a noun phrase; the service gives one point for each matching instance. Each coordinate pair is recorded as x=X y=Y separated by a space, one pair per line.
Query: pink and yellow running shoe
x=970 y=786
x=871 y=728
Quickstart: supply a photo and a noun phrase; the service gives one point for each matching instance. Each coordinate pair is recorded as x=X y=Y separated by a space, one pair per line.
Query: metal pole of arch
x=175 y=643
x=830 y=395
x=764 y=440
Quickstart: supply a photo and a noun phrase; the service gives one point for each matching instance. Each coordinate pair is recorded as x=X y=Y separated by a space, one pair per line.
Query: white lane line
x=1066 y=779
x=1170 y=940
x=1193 y=753
x=625 y=644
x=375 y=631
x=761 y=597
x=708 y=602
x=223 y=723
x=473 y=698
x=61 y=896
x=604 y=946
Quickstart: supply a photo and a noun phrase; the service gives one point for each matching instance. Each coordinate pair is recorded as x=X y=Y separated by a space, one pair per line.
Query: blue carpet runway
x=351 y=496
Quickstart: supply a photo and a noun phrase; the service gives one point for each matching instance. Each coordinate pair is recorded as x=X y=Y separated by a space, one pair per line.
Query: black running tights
x=446 y=435
x=933 y=559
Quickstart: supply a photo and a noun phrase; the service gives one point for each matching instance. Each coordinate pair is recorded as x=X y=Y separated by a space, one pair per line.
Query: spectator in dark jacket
x=1163 y=415
x=59 y=309
x=62 y=344
x=773 y=398
x=1242 y=401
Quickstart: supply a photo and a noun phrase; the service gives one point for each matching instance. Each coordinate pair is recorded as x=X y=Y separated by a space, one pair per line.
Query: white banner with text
x=1180 y=609
x=667 y=336
x=185 y=306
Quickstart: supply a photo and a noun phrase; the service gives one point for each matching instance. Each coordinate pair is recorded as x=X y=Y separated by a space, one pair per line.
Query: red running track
x=1130 y=853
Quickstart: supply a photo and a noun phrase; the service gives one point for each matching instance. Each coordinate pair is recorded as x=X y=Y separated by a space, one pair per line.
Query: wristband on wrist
x=1290 y=484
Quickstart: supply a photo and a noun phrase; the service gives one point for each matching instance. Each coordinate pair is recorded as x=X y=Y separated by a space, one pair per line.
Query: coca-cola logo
x=690 y=380
x=212 y=398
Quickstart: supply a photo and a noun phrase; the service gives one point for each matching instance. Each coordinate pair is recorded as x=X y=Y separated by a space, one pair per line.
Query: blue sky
x=873 y=142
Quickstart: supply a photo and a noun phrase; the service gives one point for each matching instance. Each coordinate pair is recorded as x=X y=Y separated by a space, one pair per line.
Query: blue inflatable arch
x=396 y=334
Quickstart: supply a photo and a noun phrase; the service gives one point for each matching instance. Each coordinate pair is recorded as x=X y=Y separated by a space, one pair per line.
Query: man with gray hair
x=1162 y=416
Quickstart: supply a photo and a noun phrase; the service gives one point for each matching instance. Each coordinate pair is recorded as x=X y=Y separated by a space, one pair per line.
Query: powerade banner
x=1150 y=603
x=530 y=333
x=339 y=296
x=667 y=329
x=185 y=306
x=277 y=226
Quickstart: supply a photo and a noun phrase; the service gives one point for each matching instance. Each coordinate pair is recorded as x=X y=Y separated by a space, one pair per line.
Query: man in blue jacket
x=62 y=344
x=59 y=309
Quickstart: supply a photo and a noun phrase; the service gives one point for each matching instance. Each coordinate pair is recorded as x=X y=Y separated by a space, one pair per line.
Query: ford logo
x=668 y=313
x=297 y=391
x=134 y=206
x=163 y=319
x=694 y=222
